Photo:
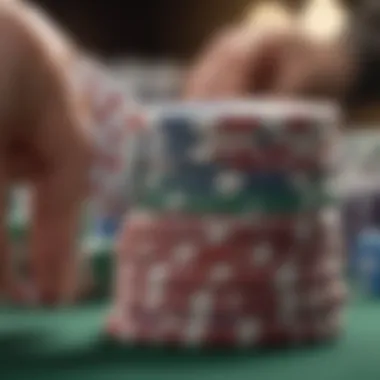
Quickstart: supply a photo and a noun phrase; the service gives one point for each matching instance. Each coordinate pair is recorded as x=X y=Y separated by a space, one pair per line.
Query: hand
x=244 y=61
x=44 y=141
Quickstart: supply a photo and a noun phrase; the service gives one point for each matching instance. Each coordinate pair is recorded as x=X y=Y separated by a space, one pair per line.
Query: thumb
x=294 y=78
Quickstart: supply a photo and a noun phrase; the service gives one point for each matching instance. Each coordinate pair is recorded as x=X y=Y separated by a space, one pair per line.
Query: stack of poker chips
x=368 y=262
x=359 y=186
x=234 y=237
x=360 y=214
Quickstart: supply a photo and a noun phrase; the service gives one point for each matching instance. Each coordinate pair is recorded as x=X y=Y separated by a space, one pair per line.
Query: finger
x=223 y=68
x=205 y=71
x=295 y=78
x=315 y=70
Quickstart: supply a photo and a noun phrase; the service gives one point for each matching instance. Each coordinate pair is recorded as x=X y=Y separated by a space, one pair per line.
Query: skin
x=44 y=140
x=242 y=61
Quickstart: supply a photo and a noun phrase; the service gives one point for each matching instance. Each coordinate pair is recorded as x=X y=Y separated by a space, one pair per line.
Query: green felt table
x=68 y=344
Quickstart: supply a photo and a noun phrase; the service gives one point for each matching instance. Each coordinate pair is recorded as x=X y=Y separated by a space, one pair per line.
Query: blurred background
x=165 y=35
x=141 y=41
x=159 y=29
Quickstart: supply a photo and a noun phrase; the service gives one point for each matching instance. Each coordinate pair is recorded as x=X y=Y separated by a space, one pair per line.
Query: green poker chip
x=263 y=203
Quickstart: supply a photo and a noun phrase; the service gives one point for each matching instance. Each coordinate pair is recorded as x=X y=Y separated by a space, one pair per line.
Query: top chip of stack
x=266 y=156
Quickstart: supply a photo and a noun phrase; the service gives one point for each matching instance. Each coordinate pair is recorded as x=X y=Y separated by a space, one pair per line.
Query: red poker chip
x=278 y=159
x=305 y=283
x=237 y=125
x=234 y=299
x=280 y=154
x=252 y=262
x=299 y=125
x=305 y=230
x=258 y=222
x=227 y=320
x=220 y=272
x=271 y=311
x=202 y=241
x=281 y=240
x=244 y=330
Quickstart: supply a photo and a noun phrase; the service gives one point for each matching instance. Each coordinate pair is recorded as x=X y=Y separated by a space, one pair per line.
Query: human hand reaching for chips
x=284 y=62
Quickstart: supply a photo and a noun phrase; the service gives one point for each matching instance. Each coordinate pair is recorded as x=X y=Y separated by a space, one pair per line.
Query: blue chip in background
x=360 y=214
x=368 y=262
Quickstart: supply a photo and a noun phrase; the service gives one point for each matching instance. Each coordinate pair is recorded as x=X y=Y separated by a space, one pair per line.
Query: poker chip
x=360 y=214
x=179 y=201
x=368 y=262
x=256 y=136
x=256 y=240
x=270 y=303
x=245 y=330
x=235 y=237
x=210 y=159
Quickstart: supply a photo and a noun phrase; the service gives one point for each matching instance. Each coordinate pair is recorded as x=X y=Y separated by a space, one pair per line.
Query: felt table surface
x=68 y=343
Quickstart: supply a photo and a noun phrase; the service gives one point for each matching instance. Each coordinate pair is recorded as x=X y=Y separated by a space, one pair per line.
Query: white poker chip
x=217 y=231
x=158 y=273
x=229 y=183
x=175 y=201
x=332 y=265
x=286 y=275
x=330 y=218
x=195 y=332
x=154 y=296
x=201 y=303
x=204 y=127
x=94 y=244
x=261 y=255
x=201 y=153
x=184 y=253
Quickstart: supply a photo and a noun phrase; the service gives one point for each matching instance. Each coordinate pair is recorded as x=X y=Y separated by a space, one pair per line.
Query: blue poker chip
x=368 y=261
x=359 y=213
x=107 y=227
x=179 y=137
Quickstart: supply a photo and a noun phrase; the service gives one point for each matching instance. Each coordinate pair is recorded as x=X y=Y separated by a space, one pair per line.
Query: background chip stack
x=234 y=237
x=359 y=184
